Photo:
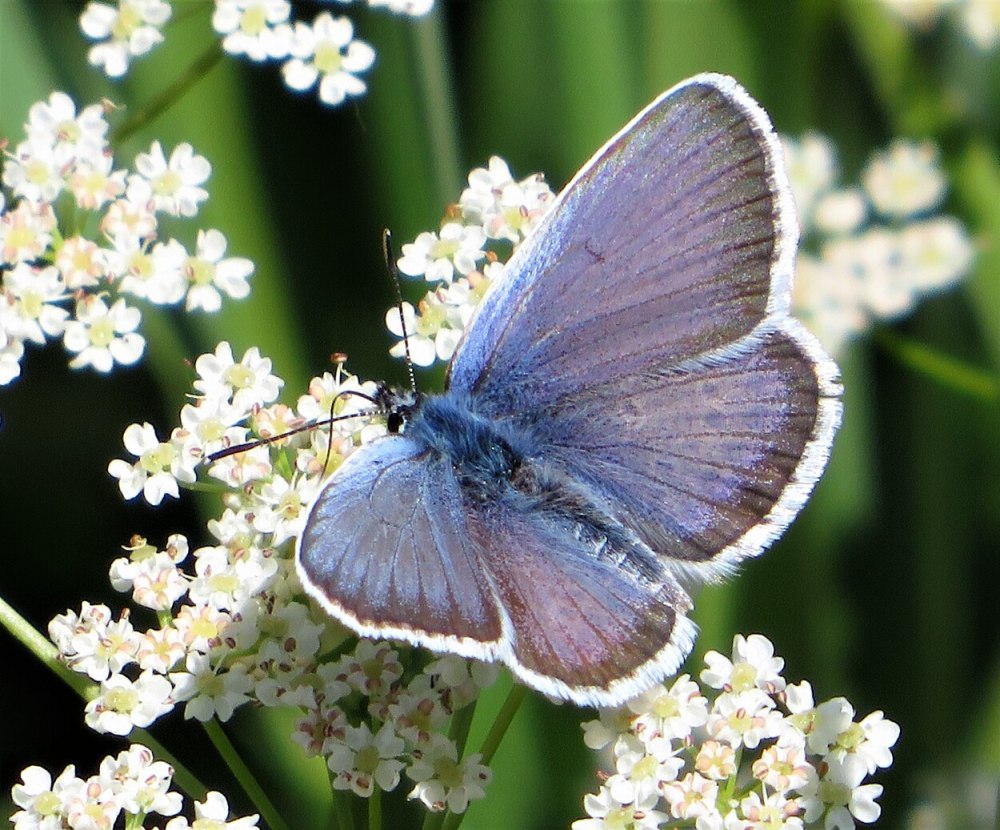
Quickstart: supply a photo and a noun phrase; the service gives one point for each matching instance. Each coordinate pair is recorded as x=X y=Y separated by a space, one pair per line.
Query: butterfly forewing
x=663 y=249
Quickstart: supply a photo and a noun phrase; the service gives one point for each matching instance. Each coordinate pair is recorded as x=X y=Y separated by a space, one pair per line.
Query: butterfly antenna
x=262 y=442
x=390 y=263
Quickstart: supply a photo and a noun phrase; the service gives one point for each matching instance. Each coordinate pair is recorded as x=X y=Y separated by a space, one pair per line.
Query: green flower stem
x=429 y=60
x=37 y=644
x=343 y=818
x=375 y=809
x=460 y=725
x=243 y=774
x=944 y=369
x=160 y=103
x=503 y=720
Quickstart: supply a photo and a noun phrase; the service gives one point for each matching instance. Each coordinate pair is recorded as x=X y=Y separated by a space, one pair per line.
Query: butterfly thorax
x=482 y=451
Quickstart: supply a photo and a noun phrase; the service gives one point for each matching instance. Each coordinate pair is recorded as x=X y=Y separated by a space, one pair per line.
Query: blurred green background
x=886 y=588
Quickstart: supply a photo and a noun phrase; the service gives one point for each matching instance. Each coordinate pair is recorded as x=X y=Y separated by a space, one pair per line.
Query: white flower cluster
x=55 y=281
x=755 y=754
x=234 y=627
x=870 y=252
x=978 y=19
x=131 y=784
x=494 y=213
x=323 y=52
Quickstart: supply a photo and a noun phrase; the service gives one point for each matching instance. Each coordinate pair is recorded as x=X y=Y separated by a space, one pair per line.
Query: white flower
x=35 y=172
x=743 y=718
x=246 y=383
x=102 y=336
x=692 y=797
x=773 y=812
x=210 y=275
x=905 y=179
x=156 y=274
x=25 y=232
x=444 y=782
x=431 y=336
x=124 y=704
x=811 y=162
x=159 y=467
x=753 y=666
x=94 y=183
x=80 y=262
x=93 y=804
x=840 y=211
x=224 y=584
x=33 y=314
x=327 y=51
x=281 y=507
x=42 y=802
x=870 y=740
x=840 y=797
x=642 y=768
x=981 y=21
x=670 y=713
x=362 y=760
x=935 y=252
x=133 y=217
x=783 y=768
x=10 y=360
x=828 y=297
x=506 y=209
x=131 y=29
x=210 y=692
x=608 y=814
x=611 y=723
x=414 y=8
x=253 y=27
x=144 y=782
x=92 y=643
x=55 y=123
x=176 y=185
x=213 y=813
x=160 y=649
x=438 y=256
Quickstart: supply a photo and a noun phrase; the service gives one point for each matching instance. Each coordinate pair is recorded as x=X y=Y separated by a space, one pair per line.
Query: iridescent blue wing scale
x=387 y=551
x=641 y=334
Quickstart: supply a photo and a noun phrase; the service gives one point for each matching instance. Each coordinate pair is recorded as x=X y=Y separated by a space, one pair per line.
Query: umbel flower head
x=56 y=283
x=742 y=751
x=322 y=52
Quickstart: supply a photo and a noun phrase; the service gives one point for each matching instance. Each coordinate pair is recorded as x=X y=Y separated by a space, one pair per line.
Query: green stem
x=461 y=722
x=39 y=645
x=243 y=774
x=503 y=720
x=342 y=814
x=375 y=809
x=26 y=634
x=160 y=103
x=431 y=67
x=944 y=369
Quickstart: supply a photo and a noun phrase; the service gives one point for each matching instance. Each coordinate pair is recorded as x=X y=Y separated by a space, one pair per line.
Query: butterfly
x=630 y=410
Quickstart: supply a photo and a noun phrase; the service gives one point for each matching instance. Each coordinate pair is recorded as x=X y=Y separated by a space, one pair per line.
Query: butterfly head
x=398 y=406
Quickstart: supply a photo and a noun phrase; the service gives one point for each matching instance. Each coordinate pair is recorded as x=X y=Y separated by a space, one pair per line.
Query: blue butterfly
x=630 y=410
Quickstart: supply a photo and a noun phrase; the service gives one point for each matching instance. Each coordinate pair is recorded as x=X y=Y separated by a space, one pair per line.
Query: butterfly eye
x=396 y=421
